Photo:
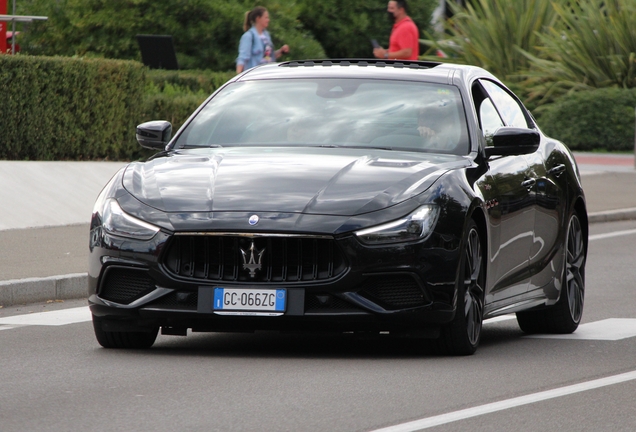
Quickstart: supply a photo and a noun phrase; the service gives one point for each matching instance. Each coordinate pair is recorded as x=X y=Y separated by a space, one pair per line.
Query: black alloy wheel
x=575 y=270
x=462 y=335
x=564 y=317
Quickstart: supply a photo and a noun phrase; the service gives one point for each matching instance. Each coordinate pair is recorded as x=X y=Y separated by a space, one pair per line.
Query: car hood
x=321 y=181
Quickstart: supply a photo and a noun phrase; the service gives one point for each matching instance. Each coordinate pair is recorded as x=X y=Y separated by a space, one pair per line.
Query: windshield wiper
x=370 y=147
x=355 y=147
x=192 y=146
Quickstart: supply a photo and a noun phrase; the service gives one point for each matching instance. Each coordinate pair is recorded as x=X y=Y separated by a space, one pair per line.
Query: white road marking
x=438 y=420
x=50 y=318
x=611 y=234
x=611 y=329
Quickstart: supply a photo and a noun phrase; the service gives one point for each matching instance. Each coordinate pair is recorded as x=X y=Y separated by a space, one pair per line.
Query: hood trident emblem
x=251 y=263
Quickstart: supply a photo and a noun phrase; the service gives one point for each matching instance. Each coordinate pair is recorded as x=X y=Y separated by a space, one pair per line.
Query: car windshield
x=393 y=115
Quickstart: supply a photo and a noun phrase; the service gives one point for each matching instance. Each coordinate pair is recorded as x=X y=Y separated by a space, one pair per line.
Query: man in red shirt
x=405 y=37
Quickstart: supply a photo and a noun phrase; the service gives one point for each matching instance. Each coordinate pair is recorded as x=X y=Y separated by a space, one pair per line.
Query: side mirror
x=154 y=134
x=509 y=141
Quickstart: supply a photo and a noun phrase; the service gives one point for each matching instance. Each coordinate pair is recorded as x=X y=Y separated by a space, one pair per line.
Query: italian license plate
x=249 y=301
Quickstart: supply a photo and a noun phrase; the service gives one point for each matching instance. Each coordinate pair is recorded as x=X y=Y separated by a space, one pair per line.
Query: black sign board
x=157 y=51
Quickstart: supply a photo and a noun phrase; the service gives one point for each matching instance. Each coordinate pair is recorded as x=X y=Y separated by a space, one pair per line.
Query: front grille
x=394 y=291
x=125 y=285
x=253 y=259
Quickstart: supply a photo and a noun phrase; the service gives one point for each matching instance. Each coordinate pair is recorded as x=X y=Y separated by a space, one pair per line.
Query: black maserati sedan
x=371 y=196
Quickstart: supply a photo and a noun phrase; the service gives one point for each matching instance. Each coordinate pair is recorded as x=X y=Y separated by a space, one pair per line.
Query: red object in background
x=3 y=27
x=9 y=42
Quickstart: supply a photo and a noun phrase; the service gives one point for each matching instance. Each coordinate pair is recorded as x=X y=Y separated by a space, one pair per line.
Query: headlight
x=118 y=223
x=416 y=226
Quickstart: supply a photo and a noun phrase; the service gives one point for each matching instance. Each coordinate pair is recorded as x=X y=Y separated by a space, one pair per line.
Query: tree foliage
x=345 y=28
x=546 y=48
x=206 y=32
x=593 y=45
x=495 y=34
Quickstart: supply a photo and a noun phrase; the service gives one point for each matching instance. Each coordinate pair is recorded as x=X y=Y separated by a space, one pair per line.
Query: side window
x=490 y=120
x=508 y=107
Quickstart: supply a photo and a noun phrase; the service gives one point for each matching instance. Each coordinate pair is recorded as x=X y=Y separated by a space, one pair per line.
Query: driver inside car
x=435 y=127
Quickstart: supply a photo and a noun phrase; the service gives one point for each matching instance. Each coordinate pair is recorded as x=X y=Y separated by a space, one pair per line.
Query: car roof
x=444 y=73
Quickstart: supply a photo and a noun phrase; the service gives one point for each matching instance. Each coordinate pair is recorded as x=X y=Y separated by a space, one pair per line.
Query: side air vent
x=410 y=64
x=125 y=285
x=393 y=292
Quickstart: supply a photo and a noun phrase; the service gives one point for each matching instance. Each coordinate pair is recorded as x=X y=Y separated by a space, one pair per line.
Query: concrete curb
x=612 y=215
x=75 y=286
x=33 y=290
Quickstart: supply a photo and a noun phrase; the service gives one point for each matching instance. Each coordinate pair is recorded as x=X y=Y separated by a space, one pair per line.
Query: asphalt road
x=56 y=377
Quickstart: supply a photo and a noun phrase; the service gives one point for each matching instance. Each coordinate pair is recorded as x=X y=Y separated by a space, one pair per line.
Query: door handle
x=557 y=170
x=529 y=183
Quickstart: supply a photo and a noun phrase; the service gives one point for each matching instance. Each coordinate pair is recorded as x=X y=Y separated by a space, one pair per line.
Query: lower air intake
x=125 y=285
x=176 y=301
x=326 y=303
x=394 y=292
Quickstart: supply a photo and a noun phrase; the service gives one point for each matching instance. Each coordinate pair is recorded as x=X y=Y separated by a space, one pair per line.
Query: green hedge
x=600 y=119
x=63 y=108
x=58 y=108
x=187 y=82
x=176 y=109
x=174 y=95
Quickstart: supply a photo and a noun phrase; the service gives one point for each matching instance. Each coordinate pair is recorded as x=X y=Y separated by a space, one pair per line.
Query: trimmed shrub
x=186 y=82
x=600 y=119
x=174 y=95
x=57 y=108
x=174 y=108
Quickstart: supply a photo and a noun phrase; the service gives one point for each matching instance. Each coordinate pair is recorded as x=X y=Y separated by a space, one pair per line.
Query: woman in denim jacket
x=256 y=45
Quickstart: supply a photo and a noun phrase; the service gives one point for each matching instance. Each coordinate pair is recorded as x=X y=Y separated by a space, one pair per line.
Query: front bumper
x=388 y=288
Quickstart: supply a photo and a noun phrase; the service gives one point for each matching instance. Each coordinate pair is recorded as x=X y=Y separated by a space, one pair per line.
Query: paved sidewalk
x=37 y=194
x=603 y=162
x=610 y=193
x=609 y=181
x=45 y=209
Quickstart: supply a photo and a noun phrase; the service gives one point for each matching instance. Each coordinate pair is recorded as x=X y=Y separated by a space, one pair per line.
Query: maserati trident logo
x=253 y=220
x=253 y=262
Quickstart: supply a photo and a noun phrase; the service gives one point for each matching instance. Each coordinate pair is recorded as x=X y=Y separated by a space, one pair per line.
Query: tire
x=462 y=335
x=565 y=315
x=126 y=340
